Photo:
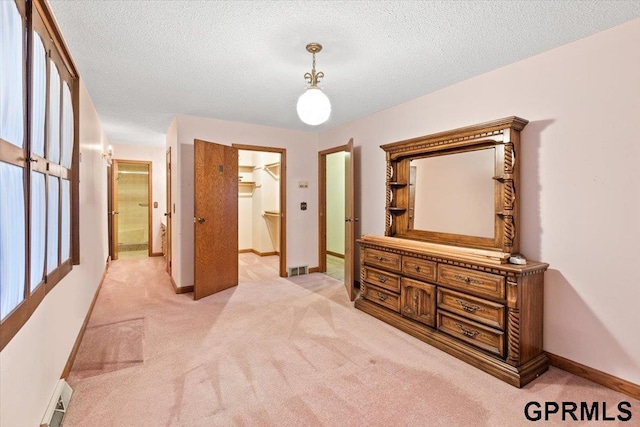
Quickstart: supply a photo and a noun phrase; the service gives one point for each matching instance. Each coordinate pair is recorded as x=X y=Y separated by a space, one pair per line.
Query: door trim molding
x=322 y=203
x=149 y=198
x=283 y=197
x=168 y=213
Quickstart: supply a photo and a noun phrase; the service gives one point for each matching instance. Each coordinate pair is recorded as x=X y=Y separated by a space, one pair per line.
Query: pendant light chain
x=313 y=105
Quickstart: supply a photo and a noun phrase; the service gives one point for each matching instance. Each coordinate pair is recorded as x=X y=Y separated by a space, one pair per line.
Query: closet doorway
x=337 y=214
x=130 y=209
x=262 y=211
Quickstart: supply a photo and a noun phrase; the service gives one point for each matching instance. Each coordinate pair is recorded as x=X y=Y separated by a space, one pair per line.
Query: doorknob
x=347 y=219
x=114 y=212
x=167 y=214
x=200 y=220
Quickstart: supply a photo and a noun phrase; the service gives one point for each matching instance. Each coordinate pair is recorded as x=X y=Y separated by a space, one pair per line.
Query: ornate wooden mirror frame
x=504 y=136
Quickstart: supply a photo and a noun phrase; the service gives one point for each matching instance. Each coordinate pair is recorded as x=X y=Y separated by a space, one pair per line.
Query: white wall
x=335 y=187
x=245 y=201
x=302 y=165
x=265 y=198
x=580 y=181
x=156 y=155
x=32 y=362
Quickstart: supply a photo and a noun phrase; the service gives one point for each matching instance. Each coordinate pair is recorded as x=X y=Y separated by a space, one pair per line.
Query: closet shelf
x=273 y=169
x=246 y=188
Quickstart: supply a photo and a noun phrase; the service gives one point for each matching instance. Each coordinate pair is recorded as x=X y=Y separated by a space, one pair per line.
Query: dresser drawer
x=381 y=296
x=476 y=282
x=381 y=278
x=419 y=268
x=474 y=333
x=382 y=259
x=483 y=311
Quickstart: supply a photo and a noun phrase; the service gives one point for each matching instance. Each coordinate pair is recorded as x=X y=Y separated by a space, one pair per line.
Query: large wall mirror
x=453 y=193
x=457 y=187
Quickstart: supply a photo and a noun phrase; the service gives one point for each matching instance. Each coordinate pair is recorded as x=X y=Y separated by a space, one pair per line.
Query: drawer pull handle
x=471 y=333
x=381 y=279
x=467 y=279
x=382 y=297
x=469 y=308
x=381 y=259
x=417 y=267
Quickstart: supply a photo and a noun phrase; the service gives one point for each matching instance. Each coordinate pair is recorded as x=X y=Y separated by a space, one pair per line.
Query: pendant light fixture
x=313 y=106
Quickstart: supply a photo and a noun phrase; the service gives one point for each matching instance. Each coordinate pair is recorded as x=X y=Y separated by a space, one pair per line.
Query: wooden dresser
x=487 y=314
x=441 y=272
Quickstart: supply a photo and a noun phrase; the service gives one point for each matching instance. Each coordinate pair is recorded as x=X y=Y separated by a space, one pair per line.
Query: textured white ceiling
x=145 y=61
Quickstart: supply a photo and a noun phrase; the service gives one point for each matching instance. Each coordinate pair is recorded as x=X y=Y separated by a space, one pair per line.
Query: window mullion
x=46 y=160
x=28 y=51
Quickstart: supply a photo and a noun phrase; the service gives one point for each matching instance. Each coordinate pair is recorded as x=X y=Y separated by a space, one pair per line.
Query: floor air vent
x=58 y=405
x=298 y=271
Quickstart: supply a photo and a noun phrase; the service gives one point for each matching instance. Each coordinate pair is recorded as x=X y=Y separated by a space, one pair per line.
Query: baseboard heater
x=57 y=406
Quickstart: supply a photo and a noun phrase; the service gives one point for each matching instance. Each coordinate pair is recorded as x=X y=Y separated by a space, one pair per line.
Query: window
x=38 y=161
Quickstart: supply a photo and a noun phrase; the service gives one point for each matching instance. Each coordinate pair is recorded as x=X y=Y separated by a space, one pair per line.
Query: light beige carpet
x=109 y=347
x=278 y=352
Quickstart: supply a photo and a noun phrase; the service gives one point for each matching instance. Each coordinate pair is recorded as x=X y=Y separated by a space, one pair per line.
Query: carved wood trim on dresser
x=472 y=306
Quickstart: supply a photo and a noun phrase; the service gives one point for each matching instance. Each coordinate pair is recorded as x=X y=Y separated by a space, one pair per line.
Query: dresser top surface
x=485 y=258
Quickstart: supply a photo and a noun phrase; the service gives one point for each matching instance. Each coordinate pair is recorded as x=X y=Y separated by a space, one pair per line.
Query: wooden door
x=350 y=220
x=215 y=218
x=349 y=213
x=110 y=209
x=113 y=213
x=167 y=213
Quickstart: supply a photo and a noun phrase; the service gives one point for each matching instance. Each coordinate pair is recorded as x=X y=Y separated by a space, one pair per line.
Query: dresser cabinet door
x=418 y=301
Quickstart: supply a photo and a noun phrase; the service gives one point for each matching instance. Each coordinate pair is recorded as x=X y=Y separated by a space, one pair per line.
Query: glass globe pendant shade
x=313 y=106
